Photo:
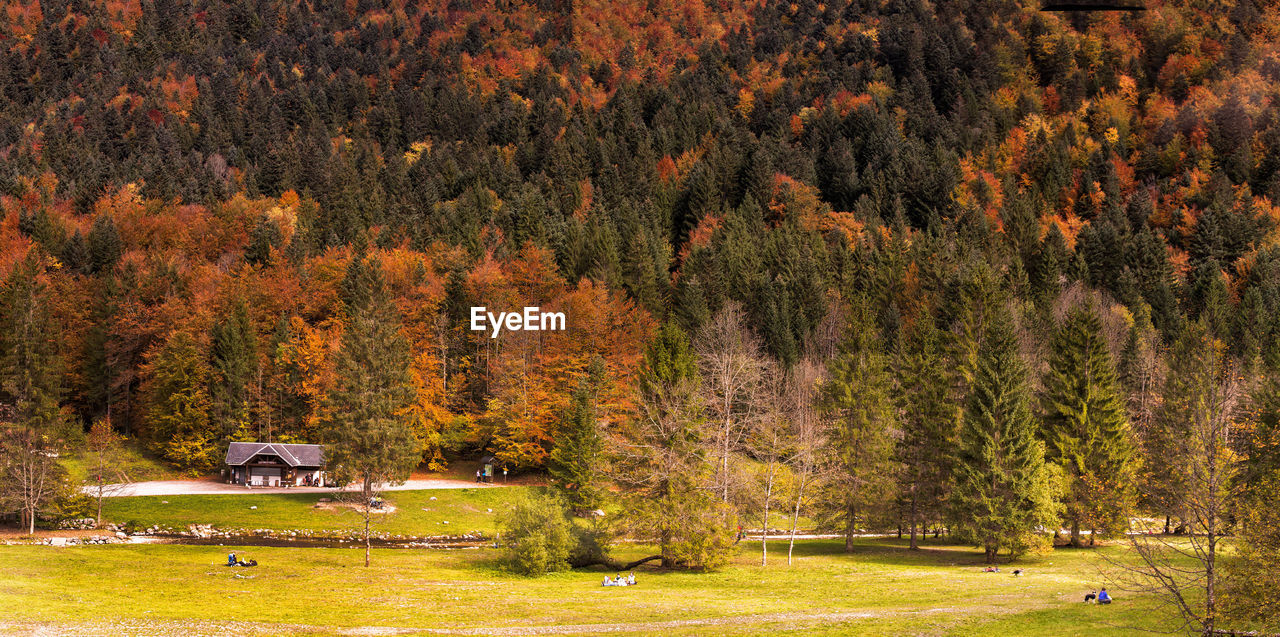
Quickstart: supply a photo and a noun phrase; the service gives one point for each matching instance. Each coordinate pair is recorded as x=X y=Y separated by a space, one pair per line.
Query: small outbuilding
x=273 y=464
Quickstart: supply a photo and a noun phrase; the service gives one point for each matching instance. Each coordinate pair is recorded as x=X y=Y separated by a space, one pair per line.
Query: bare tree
x=732 y=370
x=30 y=470
x=365 y=498
x=808 y=436
x=769 y=442
x=106 y=476
x=1205 y=390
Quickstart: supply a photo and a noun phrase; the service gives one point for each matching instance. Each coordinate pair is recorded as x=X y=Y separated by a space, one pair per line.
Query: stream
x=319 y=543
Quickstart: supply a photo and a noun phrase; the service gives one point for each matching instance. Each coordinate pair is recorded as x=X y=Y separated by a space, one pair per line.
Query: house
x=275 y=464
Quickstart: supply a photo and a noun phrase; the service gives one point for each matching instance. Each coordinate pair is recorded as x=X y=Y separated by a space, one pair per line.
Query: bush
x=590 y=544
x=537 y=536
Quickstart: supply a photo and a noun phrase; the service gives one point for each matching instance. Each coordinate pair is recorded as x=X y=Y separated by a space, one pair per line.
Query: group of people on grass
x=232 y=560
x=1094 y=597
x=629 y=580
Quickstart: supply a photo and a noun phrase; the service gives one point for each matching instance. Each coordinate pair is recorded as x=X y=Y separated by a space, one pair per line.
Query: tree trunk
x=851 y=517
x=1075 y=533
x=367 y=513
x=795 y=518
x=764 y=527
x=630 y=565
x=913 y=521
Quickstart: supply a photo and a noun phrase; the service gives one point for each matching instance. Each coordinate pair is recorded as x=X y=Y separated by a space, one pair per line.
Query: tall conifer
x=1086 y=430
x=1003 y=489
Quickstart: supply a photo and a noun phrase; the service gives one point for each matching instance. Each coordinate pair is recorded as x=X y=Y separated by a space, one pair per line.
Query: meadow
x=880 y=588
x=417 y=513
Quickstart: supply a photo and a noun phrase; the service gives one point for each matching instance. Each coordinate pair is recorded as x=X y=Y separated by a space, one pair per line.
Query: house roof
x=239 y=453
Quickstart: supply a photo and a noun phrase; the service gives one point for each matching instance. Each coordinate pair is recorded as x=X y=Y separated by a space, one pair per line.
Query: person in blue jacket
x=1103 y=597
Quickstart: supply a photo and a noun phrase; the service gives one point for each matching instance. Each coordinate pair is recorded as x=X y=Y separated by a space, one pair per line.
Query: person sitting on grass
x=991 y=569
x=231 y=559
x=607 y=581
x=1090 y=597
x=631 y=579
x=1103 y=597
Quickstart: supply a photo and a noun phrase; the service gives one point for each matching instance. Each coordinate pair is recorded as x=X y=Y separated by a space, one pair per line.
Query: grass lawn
x=416 y=513
x=464 y=510
x=134 y=461
x=880 y=589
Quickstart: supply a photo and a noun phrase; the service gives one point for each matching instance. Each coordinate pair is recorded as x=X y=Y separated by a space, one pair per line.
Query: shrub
x=537 y=536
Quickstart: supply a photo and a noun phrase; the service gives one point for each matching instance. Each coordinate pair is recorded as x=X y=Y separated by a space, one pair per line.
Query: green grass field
x=464 y=510
x=881 y=588
x=134 y=461
x=452 y=512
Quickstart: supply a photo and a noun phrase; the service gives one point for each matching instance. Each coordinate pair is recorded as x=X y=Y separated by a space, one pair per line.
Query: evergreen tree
x=75 y=254
x=856 y=398
x=662 y=459
x=105 y=245
x=234 y=362
x=928 y=419
x=575 y=462
x=265 y=236
x=370 y=441
x=1003 y=489
x=1086 y=430
x=1193 y=373
x=33 y=431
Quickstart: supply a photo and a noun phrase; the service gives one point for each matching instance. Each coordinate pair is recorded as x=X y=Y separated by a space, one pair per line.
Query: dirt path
x=198 y=628
x=212 y=487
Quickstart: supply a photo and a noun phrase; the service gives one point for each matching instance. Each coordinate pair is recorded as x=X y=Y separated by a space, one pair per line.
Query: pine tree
x=75 y=254
x=575 y=462
x=365 y=425
x=929 y=420
x=1193 y=362
x=1003 y=489
x=35 y=430
x=857 y=400
x=177 y=404
x=1086 y=430
x=105 y=245
x=234 y=361
x=265 y=236
x=369 y=440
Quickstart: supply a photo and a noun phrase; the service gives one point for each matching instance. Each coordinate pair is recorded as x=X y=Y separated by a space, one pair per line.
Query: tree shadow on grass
x=891 y=552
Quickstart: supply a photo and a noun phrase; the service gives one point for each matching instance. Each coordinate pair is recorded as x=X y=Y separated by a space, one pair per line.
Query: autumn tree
x=106 y=454
x=177 y=403
x=731 y=368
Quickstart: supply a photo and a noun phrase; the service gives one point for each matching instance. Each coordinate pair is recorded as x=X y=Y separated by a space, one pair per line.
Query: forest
x=964 y=267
